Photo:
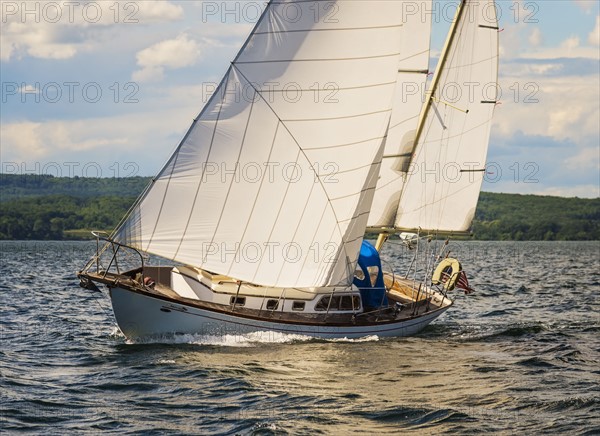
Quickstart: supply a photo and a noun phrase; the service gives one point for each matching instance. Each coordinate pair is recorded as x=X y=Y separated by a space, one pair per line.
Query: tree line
x=56 y=208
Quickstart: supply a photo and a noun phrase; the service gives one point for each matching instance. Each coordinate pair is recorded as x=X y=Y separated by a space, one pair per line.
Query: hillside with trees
x=55 y=208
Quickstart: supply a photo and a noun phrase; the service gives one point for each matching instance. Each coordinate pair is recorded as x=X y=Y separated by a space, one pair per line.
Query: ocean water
x=520 y=355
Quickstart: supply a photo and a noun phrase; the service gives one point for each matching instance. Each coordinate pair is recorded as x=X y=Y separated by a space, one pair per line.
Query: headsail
x=274 y=180
x=448 y=166
x=408 y=101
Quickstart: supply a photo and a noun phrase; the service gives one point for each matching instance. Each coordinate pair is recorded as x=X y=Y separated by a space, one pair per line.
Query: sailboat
x=313 y=138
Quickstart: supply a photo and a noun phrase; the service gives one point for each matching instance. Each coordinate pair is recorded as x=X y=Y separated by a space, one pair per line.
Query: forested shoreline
x=58 y=208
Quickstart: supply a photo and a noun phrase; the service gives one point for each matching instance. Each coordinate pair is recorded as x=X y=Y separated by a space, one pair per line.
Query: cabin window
x=272 y=304
x=355 y=302
x=346 y=302
x=343 y=302
x=238 y=301
x=298 y=305
x=373 y=273
x=323 y=303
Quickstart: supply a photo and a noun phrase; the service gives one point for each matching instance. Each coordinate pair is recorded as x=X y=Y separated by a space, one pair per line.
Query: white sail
x=274 y=180
x=408 y=101
x=448 y=165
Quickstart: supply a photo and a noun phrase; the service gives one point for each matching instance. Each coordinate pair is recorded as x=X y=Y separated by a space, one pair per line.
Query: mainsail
x=274 y=181
x=448 y=165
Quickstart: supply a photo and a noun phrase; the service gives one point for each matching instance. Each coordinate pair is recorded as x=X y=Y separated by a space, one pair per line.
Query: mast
x=385 y=233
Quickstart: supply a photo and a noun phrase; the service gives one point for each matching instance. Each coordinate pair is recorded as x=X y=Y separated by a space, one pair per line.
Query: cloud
x=586 y=159
x=563 y=107
x=144 y=137
x=543 y=165
x=157 y=11
x=535 y=38
x=585 y=5
x=594 y=36
x=29 y=140
x=59 y=30
x=173 y=54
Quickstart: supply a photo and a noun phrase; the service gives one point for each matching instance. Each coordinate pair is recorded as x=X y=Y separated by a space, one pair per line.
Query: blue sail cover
x=372 y=295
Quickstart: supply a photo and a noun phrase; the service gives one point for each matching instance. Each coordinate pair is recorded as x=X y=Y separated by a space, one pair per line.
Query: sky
x=109 y=88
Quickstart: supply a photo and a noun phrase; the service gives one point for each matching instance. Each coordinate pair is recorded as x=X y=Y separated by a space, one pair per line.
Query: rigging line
x=274 y=32
x=301 y=150
x=237 y=165
x=212 y=141
x=256 y=197
x=358 y=58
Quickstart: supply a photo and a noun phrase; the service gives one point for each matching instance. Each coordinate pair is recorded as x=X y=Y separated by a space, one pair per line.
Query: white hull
x=140 y=315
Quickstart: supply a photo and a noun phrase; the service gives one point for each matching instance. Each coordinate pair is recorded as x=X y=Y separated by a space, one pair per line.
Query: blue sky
x=109 y=88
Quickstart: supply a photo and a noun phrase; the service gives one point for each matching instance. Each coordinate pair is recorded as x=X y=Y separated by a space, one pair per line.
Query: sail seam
x=237 y=164
x=403 y=122
x=379 y=138
x=317 y=228
x=257 y=195
x=347 y=88
x=460 y=134
x=302 y=151
x=276 y=219
x=345 y=117
x=212 y=140
x=415 y=55
x=304 y=209
x=275 y=32
x=350 y=170
x=354 y=217
x=473 y=63
x=362 y=191
x=319 y=60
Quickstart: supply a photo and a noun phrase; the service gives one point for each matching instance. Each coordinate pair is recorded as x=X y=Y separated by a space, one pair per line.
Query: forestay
x=273 y=182
x=448 y=166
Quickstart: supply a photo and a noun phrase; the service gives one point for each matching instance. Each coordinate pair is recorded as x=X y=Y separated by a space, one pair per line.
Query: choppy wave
x=518 y=356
